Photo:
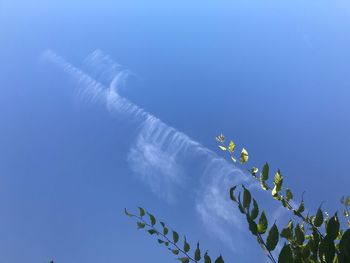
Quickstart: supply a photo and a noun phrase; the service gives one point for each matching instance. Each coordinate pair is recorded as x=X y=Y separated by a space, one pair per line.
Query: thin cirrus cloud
x=161 y=156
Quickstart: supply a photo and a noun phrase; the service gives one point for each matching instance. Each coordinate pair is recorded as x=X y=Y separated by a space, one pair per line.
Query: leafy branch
x=170 y=243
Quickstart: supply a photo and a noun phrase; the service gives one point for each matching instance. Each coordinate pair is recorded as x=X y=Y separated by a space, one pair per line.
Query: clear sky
x=272 y=75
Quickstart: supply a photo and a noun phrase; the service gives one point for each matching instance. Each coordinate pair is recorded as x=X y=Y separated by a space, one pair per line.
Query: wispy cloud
x=161 y=156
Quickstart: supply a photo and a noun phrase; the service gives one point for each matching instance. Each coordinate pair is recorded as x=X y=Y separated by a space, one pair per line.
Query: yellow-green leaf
x=244 y=156
x=222 y=147
x=231 y=146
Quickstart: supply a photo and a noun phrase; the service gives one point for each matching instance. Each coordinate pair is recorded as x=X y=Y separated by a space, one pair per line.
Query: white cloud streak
x=161 y=155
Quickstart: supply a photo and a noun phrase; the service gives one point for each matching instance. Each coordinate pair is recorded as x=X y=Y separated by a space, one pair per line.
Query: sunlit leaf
x=231 y=147
x=222 y=147
x=244 y=156
x=263 y=224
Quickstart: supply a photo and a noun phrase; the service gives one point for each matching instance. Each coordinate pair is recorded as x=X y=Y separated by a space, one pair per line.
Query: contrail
x=161 y=156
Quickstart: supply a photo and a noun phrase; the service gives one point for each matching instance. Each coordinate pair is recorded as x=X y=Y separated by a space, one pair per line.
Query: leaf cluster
x=181 y=248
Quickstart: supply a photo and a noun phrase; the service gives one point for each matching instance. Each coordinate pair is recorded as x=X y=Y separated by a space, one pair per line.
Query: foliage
x=171 y=239
x=306 y=238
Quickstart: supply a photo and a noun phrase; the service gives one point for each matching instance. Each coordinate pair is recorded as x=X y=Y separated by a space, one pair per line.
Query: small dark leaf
x=142 y=211
x=299 y=234
x=152 y=219
x=207 y=259
x=175 y=236
x=246 y=197
x=318 y=220
x=184 y=260
x=219 y=260
x=175 y=251
x=140 y=225
x=272 y=238
x=289 y=195
x=232 y=193
x=285 y=255
x=197 y=253
x=333 y=226
x=127 y=213
x=186 y=245
x=265 y=172
x=344 y=246
x=152 y=231
x=252 y=226
x=327 y=249
x=255 y=210
x=288 y=231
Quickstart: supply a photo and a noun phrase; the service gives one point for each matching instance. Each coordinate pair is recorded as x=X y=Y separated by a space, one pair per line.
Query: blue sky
x=271 y=75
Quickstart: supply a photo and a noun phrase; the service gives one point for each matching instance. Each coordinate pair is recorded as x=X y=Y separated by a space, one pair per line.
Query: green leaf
x=219 y=260
x=244 y=156
x=175 y=236
x=255 y=210
x=327 y=249
x=197 y=253
x=207 y=259
x=288 y=231
x=165 y=229
x=301 y=208
x=299 y=234
x=289 y=195
x=246 y=197
x=286 y=255
x=344 y=246
x=233 y=159
x=254 y=171
x=264 y=186
x=265 y=172
x=278 y=181
x=272 y=238
x=175 y=251
x=127 y=213
x=240 y=207
x=160 y=241
x=140 y=225
x=142 y=212
x=231 y=146
x=152 y=219
x=232 y=193
x=263 y=224
x=318 y=219
x=152 y=231
x=222 y=147
x=186 y=245
x=333 y=226
x=184 y=260
x=252 y=226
